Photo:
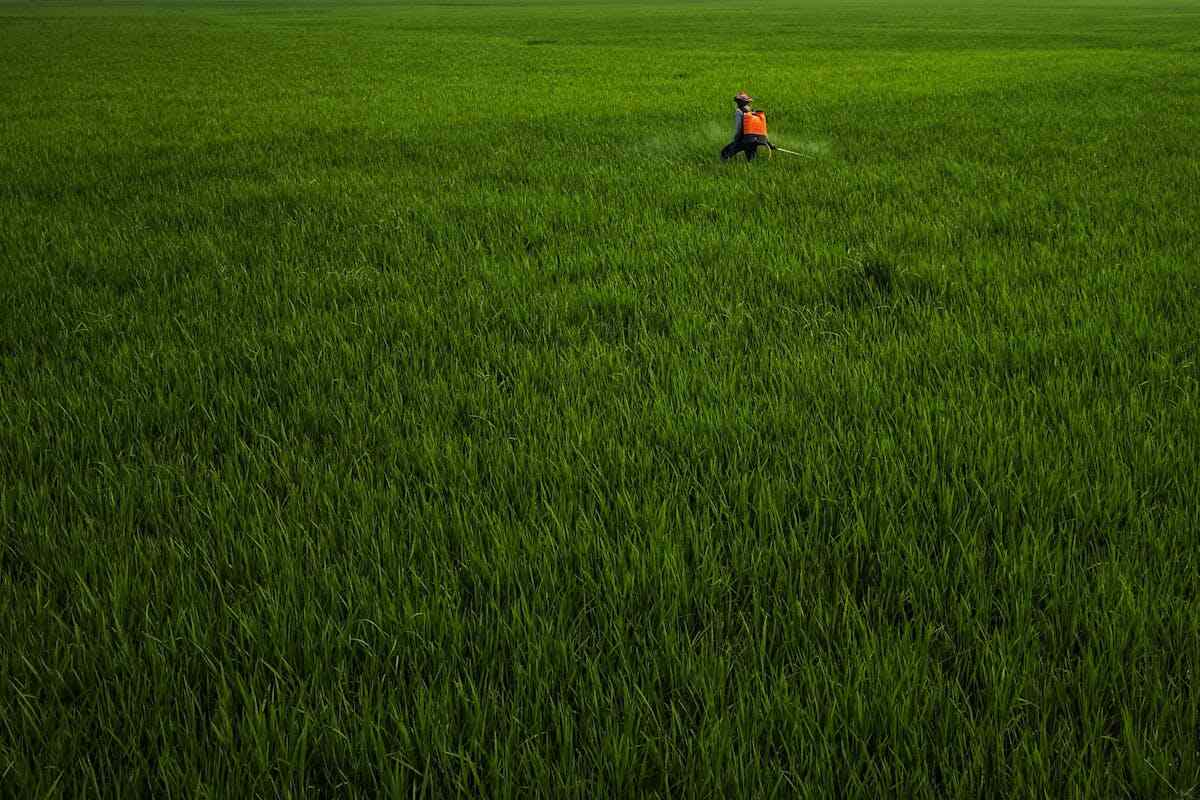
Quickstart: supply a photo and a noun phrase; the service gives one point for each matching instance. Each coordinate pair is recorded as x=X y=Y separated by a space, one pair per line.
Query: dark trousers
x=744 y=144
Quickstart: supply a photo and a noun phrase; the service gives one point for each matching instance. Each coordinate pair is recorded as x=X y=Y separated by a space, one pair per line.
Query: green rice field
x=403 y=400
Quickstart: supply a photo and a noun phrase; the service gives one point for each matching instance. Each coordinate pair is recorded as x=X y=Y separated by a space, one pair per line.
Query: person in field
x=749 y=130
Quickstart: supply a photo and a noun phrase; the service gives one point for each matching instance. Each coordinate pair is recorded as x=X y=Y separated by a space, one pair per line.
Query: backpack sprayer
x=758 y=124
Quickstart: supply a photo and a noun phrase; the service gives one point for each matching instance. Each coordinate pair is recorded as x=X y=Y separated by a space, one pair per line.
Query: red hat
x=742 y=97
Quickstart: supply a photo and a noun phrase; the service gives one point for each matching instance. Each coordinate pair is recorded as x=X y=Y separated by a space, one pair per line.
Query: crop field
x=402 y=399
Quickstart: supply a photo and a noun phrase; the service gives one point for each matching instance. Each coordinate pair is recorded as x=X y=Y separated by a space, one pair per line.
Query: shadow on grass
x=875 y=280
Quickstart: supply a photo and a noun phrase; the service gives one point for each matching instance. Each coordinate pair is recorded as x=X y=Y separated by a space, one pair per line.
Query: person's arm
x=737 y=124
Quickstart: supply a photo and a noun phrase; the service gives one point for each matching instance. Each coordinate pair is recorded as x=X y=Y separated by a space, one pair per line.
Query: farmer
x=749 y=130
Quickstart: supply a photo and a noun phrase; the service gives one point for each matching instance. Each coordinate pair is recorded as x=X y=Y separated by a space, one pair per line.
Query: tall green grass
x=402 y=399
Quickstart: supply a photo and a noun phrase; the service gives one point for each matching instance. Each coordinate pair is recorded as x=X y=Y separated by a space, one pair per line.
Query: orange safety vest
x=754 y=123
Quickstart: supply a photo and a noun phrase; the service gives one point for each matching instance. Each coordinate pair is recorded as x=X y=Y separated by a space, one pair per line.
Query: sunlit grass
x=404 y=399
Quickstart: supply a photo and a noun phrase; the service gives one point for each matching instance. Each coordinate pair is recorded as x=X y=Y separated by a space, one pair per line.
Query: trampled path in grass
x=403 y=399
